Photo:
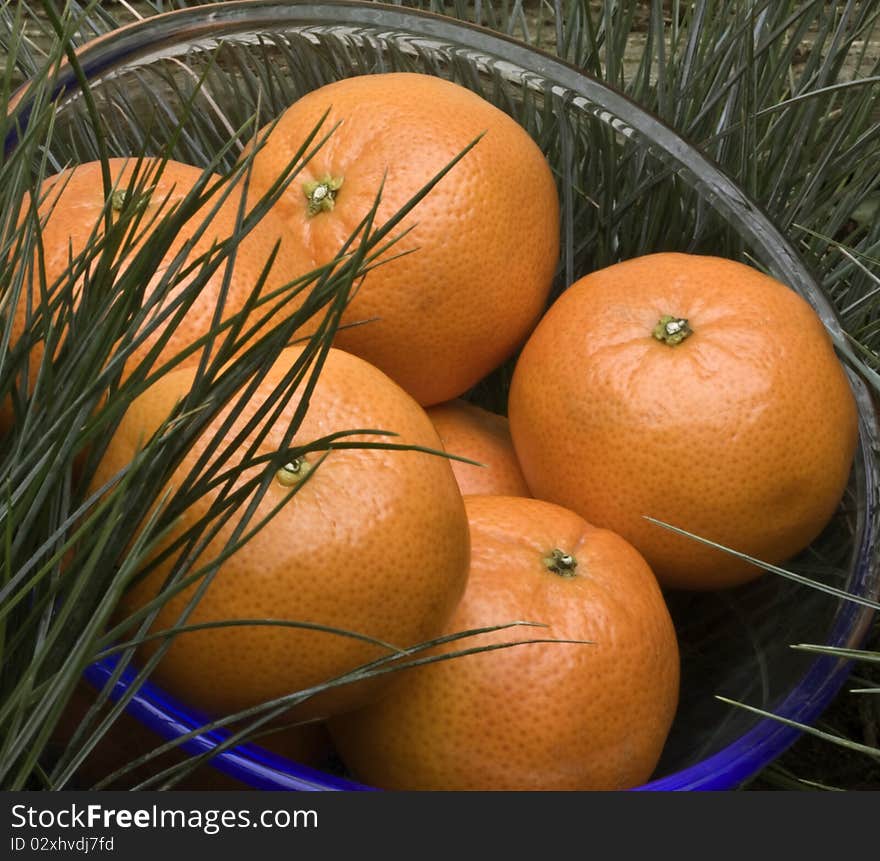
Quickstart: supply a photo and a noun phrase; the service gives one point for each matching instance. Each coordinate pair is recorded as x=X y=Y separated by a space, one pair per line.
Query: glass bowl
x=616 y=165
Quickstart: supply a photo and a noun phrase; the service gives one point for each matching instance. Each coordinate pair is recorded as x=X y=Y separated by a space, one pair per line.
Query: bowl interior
x=628 y=186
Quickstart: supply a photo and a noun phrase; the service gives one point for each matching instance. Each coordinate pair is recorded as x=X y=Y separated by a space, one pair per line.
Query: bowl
x=615 y=163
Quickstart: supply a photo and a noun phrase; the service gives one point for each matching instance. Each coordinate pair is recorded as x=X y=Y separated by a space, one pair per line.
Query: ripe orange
x=475 y=433
x=72 y=209
x=551 y=716
x=485 y=240
x=375 y=542
x=743 y=432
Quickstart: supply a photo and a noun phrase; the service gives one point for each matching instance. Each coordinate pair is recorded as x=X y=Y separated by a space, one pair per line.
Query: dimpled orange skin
x=473 y=432
x=744 y=433
x=485 y=240
x=73 y=213
x=375 y=542
x=552 y=716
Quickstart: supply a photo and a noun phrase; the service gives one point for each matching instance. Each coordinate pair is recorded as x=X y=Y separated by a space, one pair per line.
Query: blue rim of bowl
x=737 y=762
x=170 y=719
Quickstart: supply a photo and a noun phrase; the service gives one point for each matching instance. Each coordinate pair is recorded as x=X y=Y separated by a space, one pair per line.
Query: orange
x=475 y=433
x=741 y=432
x=484 y=241
x=551 y=716
x=72 y=211
x=374 y=542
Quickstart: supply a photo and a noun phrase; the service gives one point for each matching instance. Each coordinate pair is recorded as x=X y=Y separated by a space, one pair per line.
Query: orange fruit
x=72 y=213
x=551 y=716
x=484 y=241
x=375 y=542
x=475 y=433
x=742 y=432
